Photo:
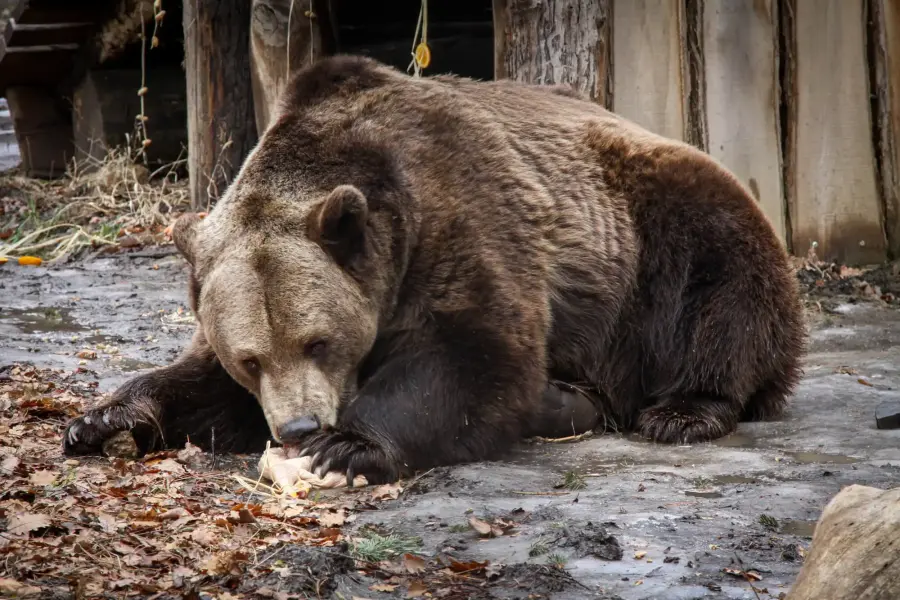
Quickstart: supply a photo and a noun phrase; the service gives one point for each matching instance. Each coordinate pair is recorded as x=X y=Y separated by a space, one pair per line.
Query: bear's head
x=296 y=267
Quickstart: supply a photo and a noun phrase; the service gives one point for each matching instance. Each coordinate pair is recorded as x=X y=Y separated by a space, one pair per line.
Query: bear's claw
x=350 y=453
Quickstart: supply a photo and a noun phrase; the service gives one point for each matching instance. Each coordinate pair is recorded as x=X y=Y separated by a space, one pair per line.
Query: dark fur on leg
x=432 y=403
x=566 y=410
x=166 y=407
x=715 y=326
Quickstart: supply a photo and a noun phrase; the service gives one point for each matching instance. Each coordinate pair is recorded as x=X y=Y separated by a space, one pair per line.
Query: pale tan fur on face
x=267 y=296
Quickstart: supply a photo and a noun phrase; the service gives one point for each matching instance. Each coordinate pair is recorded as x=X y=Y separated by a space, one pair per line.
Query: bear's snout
x=296 y=429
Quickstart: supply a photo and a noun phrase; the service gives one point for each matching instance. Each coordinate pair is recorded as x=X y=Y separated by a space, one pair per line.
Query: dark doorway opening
x=460 y=34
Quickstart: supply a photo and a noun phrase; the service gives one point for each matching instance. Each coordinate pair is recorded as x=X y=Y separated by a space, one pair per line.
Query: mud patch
x=591 y=540
x=804 y=529
x=525 y=580
x=40 y=320
x=301 y=572
x=809 y=458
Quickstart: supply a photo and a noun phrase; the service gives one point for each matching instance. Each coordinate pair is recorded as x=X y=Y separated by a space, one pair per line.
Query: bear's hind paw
x=688 y=420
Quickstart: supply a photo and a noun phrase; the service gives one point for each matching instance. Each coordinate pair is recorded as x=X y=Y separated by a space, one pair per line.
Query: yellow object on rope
x=421 y=53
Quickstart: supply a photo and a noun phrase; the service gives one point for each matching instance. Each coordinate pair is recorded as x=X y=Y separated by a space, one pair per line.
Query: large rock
x=855 y=550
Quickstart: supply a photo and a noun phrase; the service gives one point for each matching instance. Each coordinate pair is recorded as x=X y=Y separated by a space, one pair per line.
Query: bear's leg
x=457 y=394
x=193 y=399
x=567 y=410
x=687 y=420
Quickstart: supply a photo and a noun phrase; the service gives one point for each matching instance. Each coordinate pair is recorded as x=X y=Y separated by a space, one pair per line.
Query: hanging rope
x=421 y=54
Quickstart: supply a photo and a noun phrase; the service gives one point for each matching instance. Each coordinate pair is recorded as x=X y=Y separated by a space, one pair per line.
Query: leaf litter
x=171 y=524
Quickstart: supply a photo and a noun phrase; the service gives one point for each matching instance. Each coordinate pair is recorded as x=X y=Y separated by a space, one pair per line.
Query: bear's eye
x=251 y=365
x=315 y=349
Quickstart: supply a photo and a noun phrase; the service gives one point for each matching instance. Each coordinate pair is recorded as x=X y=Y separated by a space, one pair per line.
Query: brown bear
x=411 y=272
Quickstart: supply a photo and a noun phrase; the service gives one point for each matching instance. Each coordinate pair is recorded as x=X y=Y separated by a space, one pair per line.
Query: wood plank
x=64 y=11
x=50 y=34
x=648 y=79
x=835 y=201
x=886 y=45
x=39 y=68
x=741 y=75
x=554 y=42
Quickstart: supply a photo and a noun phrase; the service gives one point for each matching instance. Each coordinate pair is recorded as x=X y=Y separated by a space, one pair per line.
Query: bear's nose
x=297 y=428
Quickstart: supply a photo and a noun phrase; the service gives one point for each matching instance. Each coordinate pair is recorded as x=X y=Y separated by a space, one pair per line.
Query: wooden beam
x=565 y=42
x=834 y=201
x=221 y=121
x=742 y=109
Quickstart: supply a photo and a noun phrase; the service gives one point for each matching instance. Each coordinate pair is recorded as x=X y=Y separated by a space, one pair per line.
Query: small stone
x=121 y=445
x=887 y=415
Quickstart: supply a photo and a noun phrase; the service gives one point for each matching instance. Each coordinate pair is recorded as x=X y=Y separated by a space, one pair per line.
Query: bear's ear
x=338 y=223
x=184 y=232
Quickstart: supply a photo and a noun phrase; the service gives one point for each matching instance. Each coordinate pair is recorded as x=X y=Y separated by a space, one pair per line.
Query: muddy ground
x=648 y=521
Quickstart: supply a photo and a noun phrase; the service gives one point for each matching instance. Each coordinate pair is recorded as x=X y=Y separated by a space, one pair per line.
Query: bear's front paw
x=86 y=434
x=352 y=454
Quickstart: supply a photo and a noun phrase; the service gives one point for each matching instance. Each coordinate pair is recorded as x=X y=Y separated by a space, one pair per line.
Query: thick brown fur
x=501 y=236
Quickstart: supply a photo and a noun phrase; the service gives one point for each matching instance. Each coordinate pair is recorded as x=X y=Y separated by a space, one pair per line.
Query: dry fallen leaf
x=10 y=588
x=482 y=527
x=42 y=478
x=108 y=523
x=413 y=564
x=416 y=589
x=8 y=465
x=388 y=491
x=382 y=587
x=467 y=567
x=24 y=523
x=332 y=519
x=640 y=554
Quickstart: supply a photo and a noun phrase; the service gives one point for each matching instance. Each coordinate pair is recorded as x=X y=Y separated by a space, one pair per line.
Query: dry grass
x=99 y=203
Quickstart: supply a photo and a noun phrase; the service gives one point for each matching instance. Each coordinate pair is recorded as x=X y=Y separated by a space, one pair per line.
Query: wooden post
x=42 y=121
x=740 y=40
x=271 y=60
x=885 y=45
x=221 y=124
x=555 y=42
x=650 y=86
x=833 y=192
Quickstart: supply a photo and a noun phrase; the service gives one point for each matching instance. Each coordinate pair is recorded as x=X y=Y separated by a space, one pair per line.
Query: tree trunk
x=311 y=36
x=884 y=39
x=221 y=126
x=555 y=42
